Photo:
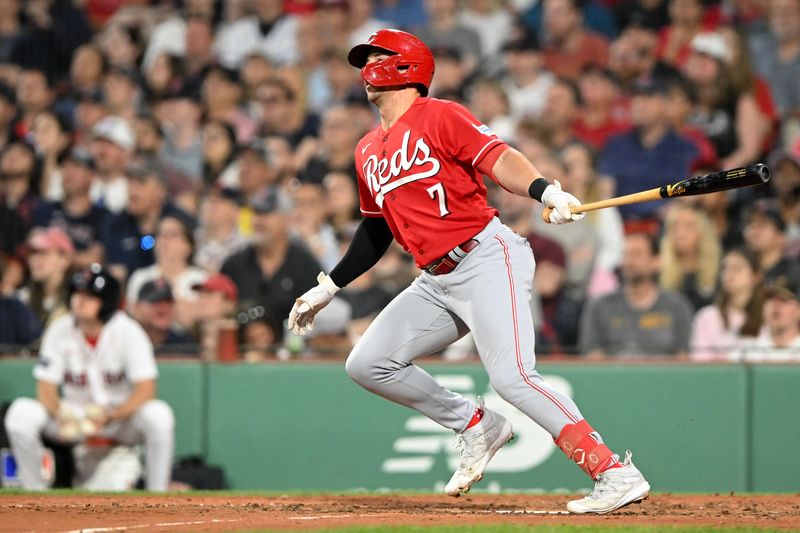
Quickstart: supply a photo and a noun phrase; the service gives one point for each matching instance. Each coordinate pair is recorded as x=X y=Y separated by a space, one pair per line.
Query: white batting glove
x=560 y=202
x=305 y=308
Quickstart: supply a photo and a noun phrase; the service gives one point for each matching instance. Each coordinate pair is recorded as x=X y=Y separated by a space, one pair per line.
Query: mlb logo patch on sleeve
x=484 y=129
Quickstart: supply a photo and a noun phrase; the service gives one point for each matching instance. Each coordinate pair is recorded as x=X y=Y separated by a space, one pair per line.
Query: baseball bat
x=723 y=180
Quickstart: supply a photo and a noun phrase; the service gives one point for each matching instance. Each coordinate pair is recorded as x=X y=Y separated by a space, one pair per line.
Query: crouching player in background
x=103 y=362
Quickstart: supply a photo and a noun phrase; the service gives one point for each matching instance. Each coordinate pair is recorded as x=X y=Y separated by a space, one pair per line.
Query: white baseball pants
x=488 y=294
x=153 y=425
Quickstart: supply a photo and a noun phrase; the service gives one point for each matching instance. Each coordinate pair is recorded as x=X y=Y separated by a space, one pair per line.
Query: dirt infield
x=213 y=512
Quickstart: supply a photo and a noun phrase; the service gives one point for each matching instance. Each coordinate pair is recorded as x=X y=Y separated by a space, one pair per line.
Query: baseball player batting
x=420 y=183
x=103 y=361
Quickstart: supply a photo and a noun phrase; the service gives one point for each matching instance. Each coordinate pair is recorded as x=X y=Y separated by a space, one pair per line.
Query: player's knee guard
x=584 y=445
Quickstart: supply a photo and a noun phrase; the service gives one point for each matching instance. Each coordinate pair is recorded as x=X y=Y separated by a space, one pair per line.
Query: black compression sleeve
x=370 y=242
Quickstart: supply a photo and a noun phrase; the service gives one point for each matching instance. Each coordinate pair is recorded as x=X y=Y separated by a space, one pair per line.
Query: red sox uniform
x=103 y=375
x=423 y=176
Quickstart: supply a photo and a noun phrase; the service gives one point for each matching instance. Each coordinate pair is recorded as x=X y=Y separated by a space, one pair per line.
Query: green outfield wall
x=308 y=427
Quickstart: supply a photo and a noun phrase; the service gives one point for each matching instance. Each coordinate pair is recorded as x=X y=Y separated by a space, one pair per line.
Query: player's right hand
x=560 y=202
x=305 y=308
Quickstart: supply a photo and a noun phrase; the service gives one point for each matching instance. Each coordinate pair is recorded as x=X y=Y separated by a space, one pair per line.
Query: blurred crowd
x=203 y=151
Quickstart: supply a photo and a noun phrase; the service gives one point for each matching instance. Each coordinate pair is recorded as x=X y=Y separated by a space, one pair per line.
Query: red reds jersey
x=422 y=176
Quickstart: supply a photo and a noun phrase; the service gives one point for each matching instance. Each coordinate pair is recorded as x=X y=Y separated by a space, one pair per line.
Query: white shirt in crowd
x=237 y=40
x=113 y=194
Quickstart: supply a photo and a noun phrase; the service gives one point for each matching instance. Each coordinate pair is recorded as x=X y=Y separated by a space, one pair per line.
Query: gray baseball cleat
x=478 y=445
x=614 y=489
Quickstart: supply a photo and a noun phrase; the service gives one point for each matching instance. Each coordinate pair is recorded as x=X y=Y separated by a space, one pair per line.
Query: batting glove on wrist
x=305 y=308
x=560 y=202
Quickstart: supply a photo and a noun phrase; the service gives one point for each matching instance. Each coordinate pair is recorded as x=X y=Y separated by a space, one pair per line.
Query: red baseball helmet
x=410 y=61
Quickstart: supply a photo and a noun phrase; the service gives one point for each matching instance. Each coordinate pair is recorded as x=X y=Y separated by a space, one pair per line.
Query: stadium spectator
x=650 y=154
x=274 y=267
x=169 y=36
x=255 y=172
x=149 y=135
x=605 y=224
x=182 y=152
x=650 y=14
x=218 y=235
x=640 y=319
x=602 y=112
x=173 y=251
x=154 y=310
x=111 y=147
x=568 y=47
x=363 y=22
x=781 y=340
x=121 y=44
x=219 y=155
x=163 y=78
x=87 y=69
x=776 y=55
x=765 y=235
x=307 y=222
x=632 y=56
x=562 y=108
x=490 y=20
x=269 y=31
x=282 y=115
x=84 y=221
x=674 y=40
x=451 y=75
x=785 y=180
x=690 y=254
x=222 y=95
x=216 y=304
x=19 y=186
x=682 y=100
x=130 y=238
x=490 y=104
x=12 y=28
x=443 y=28
x=341 y=197
x=199 y=54
x=49 y=264
x=338 y=134
x=34 y=94
x=51 y=138
x=735 y=317
x=121 y=94
x=728 y=114
x=526 y=81
x=18 y=324
x=54 y=30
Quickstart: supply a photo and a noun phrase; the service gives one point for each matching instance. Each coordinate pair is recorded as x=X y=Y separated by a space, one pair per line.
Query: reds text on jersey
x=422 y=176
x=104 y=374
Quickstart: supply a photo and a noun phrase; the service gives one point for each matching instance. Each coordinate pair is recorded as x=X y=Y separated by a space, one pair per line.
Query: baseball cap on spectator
x=116 y=130
x=255 y=147
x=52 y=238
x=768 y=212
x=781 y=292
x=527 y=41
x=219 y=283
x=78 y=156
x=711 y=44
x=780 y=155
x=156 y=290
x=227 y=193
x=650 y=85
x=145 y=167
x=266 y=202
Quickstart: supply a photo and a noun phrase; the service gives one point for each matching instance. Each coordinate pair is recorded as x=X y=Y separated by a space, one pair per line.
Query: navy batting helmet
x=97 y=281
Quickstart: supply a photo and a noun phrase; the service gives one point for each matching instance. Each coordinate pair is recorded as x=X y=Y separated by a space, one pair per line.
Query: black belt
x=449 y=261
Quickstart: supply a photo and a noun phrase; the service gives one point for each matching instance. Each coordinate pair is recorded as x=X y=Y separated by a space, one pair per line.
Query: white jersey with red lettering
x=103 y=374
x=422 y=176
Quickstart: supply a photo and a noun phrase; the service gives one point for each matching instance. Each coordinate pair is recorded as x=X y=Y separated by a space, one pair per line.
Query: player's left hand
x=305 y=308
x=560 y=202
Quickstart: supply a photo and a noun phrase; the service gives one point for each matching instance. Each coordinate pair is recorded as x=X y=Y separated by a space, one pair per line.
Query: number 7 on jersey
x=438 y=190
